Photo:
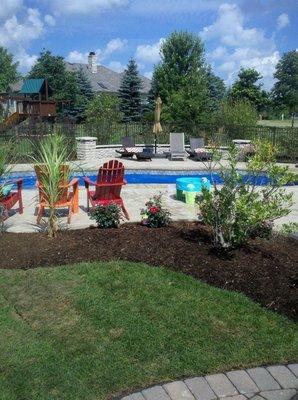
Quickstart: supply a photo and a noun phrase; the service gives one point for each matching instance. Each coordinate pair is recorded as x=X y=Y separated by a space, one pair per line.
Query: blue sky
x=248 y=33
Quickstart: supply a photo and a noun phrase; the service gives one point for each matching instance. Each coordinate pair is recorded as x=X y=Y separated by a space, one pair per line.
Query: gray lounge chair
x=127 y=143
x=145 y=155
x=196 y=143
x=177 y=149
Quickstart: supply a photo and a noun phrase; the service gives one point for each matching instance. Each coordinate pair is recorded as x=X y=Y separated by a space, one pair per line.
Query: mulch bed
x=264 y=270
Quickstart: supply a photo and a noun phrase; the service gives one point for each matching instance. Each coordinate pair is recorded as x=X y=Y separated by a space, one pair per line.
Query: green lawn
x=287 y=123
x=92 y=330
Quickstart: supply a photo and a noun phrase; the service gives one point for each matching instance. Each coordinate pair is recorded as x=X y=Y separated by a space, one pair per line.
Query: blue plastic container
x=190 y=184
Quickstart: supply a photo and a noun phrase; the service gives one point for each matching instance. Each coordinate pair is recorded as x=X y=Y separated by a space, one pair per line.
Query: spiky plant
x=53 y=153
x=6 y=159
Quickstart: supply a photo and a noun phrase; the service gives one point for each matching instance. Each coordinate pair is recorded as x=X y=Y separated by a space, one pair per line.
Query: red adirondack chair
x=7 y=202
x=110 y=180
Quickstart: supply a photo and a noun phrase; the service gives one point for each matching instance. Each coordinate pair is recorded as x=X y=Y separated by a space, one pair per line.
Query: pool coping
x=154 y=165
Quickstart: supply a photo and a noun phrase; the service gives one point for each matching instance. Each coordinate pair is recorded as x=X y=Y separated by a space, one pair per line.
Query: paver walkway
x=278 y=382
x=134 y=196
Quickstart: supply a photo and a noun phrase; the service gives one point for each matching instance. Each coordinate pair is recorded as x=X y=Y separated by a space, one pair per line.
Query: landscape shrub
x=288 y=228
x=107 y=216
x=239 y=209
x=236 y=113
x=154 y=215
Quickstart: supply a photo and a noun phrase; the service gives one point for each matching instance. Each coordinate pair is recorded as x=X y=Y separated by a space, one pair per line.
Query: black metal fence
x=27 y=136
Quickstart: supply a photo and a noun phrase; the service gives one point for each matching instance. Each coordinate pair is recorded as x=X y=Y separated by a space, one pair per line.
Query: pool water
x=144 y=177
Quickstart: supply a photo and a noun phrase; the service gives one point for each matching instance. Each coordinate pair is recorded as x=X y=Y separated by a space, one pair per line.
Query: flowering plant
x=154 y=215
x=107 y=216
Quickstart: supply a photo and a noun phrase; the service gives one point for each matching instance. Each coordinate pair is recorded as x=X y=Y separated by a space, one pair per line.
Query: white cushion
x=133 y=149
x=200 y=150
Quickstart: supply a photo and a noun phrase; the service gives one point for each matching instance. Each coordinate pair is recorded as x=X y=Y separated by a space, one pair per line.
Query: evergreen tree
x=8 y=70
x=217 y=89
x=180 y=79
x=247 y=88
x=130 y=93
x=285 y=90
x=84 y=95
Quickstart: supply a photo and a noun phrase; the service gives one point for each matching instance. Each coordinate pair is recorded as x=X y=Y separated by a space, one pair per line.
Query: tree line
x=189 y=89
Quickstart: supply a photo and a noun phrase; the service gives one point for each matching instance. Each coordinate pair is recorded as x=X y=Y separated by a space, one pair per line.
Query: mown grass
x=93 y=330
x=287 y=123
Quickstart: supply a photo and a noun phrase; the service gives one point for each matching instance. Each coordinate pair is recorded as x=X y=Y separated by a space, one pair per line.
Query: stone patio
x=134 y=195
x=277 y=382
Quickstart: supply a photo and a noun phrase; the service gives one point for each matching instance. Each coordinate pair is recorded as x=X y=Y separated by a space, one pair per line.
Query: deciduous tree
x=8 y=69
x=285 y=90
x=246 y=87
x=103 y=109
x=62 y=82
x=181 y=79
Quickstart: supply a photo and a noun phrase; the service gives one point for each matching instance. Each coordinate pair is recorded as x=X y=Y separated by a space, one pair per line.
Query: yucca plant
x=52 y=155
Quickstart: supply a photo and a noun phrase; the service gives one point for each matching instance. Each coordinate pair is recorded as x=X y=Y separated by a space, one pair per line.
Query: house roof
x=105 y=80
x=31 y=86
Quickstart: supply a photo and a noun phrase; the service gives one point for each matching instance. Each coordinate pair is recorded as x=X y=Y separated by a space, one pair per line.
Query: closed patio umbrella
x=157 y=126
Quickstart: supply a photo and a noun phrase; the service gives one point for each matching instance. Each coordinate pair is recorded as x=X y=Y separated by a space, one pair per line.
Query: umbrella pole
x=155 y=143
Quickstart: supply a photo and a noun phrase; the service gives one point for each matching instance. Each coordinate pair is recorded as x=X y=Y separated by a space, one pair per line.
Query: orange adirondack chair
x=110 y=180
x=68 y=197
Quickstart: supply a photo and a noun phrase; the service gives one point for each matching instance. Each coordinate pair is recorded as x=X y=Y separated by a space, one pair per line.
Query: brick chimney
x=92 y=62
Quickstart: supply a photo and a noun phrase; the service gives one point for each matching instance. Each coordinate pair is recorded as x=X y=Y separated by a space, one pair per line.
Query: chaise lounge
x=177 y=148
x=198 y=151
x=129 y=148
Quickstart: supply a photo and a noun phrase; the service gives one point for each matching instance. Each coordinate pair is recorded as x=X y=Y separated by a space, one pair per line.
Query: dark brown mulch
x=264 y=270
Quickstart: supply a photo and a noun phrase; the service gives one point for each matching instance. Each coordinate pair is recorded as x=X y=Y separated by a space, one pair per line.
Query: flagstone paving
x=278 y=382
x=134 y=196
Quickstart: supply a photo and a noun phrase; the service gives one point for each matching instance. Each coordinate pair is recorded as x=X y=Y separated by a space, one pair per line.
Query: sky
x=239 y=33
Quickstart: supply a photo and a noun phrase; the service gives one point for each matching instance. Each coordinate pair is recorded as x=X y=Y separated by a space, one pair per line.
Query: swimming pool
x=142 y=177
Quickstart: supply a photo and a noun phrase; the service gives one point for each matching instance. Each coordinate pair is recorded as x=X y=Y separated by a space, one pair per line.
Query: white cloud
x=229 y=29
x=9 y=7
x=117 y=66
x=149 y=53
x=283 y=21
x=17 y=33
x=26 y=61
x=167 y=7
x=50 y=20
x=227 y=66
x=13 y=32
x=112 y=47
x=218 y=53
x=240 y=46
x=148 y=74
x=85 y=6
x=77 y=57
